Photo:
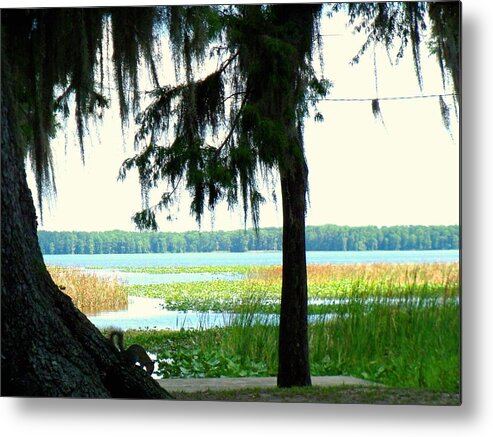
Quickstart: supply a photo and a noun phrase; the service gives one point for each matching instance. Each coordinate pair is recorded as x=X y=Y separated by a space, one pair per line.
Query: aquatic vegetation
x=327 y=285
x=186 y=269
x=394 y=324
x=404 y=343
x=88 y=291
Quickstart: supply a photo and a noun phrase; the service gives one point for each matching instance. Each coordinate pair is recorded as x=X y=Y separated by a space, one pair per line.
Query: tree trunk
x=294 y=367
x=49 y=348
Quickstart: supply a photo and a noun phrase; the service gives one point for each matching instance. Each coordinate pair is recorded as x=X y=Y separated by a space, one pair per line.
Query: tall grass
x=325 y=282
x=402 y=343
x=90 y=292
x=394 y=324
x=405 y=344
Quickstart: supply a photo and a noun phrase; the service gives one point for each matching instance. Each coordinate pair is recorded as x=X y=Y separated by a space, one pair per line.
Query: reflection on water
x=149 y=313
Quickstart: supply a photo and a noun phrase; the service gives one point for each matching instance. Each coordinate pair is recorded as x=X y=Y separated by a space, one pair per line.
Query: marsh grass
x=406 y=344
x=239 y=269
x=327 y=284
x=395 y=324
x=90 y=292
x=398 y=325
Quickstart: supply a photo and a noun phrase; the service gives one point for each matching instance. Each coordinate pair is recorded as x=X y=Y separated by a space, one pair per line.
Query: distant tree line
x=326 y=237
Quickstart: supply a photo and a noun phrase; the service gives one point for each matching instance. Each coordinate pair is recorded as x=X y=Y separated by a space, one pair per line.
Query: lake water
x=109 y=261
x=149 y=313
x=145 y=313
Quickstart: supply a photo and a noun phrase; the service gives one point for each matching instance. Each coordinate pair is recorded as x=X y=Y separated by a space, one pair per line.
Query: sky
x=404 y=171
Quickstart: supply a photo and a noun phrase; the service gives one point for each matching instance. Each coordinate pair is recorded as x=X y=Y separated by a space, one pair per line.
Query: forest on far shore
x=322 y=238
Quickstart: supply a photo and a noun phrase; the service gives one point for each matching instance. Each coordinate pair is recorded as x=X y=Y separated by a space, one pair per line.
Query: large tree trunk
x=49 y=348
x=294 y=367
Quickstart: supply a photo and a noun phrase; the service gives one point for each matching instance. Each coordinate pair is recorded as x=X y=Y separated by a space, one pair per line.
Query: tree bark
x=294 y=367
x=49 y=348
x=294 y=364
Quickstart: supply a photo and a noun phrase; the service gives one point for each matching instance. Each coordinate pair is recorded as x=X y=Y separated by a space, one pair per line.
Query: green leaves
x=220 y=144
x=145 y=220
x=132 y=31
x=191 y=361
x=394 y=324
x=64 y=53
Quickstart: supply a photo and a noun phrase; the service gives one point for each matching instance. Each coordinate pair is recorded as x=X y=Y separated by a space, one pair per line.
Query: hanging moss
x=54 y=55
x=259 y=95
x=389 y=22
x=444 y=110
x=267 y=71
x=377 y=112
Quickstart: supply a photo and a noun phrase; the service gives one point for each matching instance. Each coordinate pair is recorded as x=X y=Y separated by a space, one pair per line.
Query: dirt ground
x=334 y=390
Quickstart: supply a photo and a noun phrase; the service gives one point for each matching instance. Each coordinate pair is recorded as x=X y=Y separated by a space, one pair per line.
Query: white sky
x=360 y=172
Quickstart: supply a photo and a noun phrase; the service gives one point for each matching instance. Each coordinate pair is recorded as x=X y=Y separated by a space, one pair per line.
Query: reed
x=325 y=283
x=89 y=292
x=407 y=344
x=397 y=273
x=401 y=343
x=396 y=325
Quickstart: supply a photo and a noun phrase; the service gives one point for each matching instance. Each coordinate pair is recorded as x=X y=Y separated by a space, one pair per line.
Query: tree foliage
x=229 y=127
x=219 y=136
x=58 y=57
x=64 y=70
x=326 y=237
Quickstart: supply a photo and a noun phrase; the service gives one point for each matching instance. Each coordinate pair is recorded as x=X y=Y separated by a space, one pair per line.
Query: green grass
x=262 y=285
x=400 y=345
x=333 y=395
x=404 y=344
x=396 y=325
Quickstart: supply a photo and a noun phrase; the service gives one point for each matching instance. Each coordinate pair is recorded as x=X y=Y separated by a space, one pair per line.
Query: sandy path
x=204 y=384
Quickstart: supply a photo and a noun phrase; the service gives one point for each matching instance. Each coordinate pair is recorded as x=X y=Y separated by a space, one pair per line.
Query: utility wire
x=344 y=99
x=367 y=99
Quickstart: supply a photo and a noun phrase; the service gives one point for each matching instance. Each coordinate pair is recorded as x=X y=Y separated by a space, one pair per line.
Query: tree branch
x=226 y=63
x=233 y=125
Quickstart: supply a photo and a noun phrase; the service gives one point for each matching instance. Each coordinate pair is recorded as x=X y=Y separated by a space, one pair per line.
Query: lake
x=111 y=261
x=149 y=313
x=143 y=313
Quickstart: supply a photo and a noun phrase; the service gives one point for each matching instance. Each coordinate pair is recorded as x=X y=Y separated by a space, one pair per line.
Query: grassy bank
x=394 y=324
x=398 y=325
x=398 y=347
